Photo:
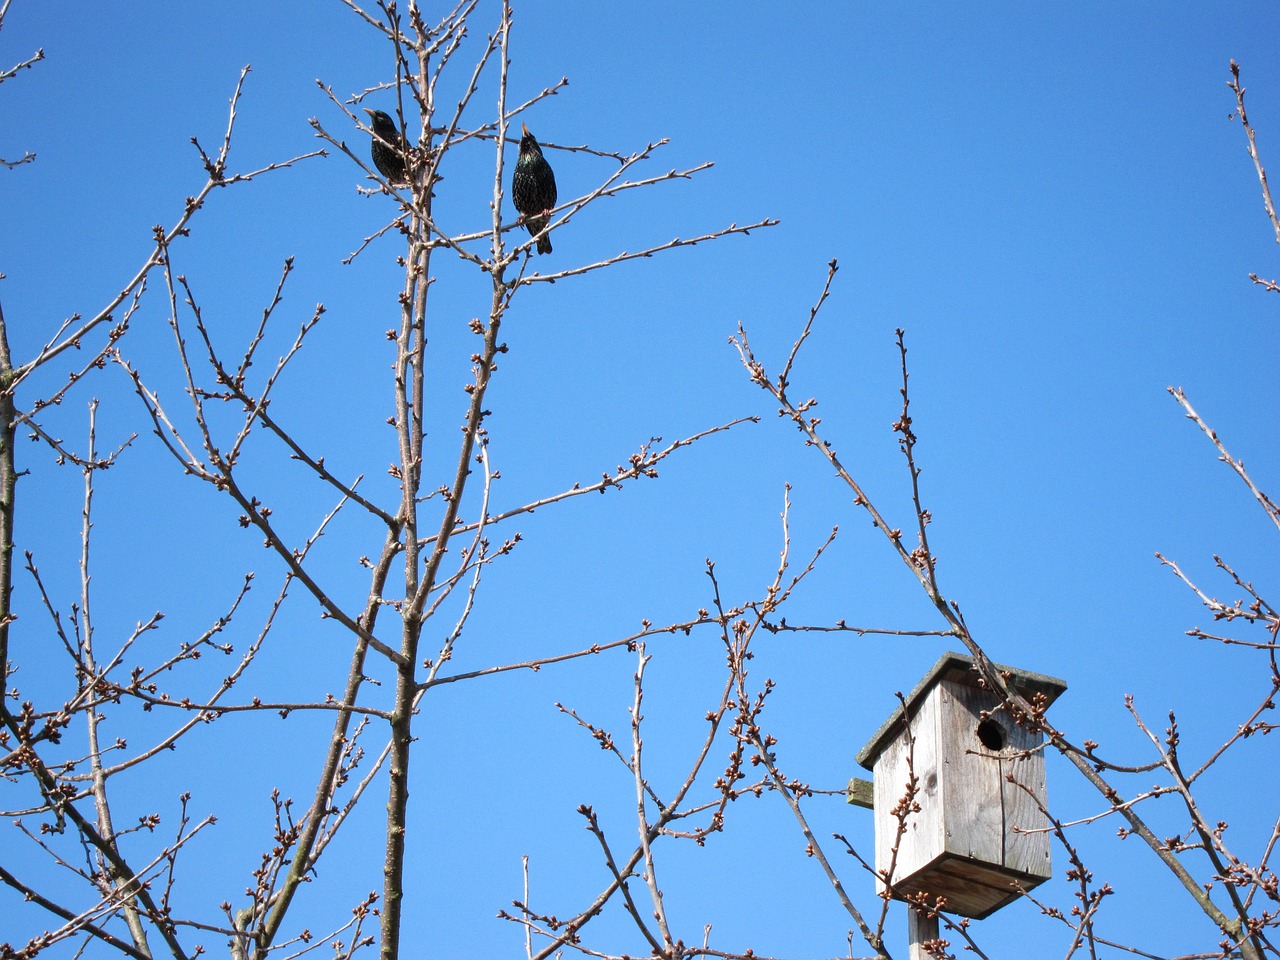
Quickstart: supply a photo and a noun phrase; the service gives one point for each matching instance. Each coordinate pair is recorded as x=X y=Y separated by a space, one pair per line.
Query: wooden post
x=921 y=928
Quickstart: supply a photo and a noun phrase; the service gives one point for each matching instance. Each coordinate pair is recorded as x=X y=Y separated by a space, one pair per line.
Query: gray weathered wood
x=921 y=928
x=922 y=838
x=956 y=666
x=972 y=811
x=1027 y=838
x=979 y=833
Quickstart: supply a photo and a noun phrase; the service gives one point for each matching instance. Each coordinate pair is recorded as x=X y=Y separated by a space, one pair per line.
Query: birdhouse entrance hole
x=991 y=734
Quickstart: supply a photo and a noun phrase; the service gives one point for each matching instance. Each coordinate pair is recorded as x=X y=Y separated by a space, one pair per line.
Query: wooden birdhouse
x=980 y=789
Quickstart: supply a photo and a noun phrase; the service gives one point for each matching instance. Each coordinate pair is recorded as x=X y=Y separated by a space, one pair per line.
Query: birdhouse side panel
x=1027 y=843
x=972 y=789
x=921 y=840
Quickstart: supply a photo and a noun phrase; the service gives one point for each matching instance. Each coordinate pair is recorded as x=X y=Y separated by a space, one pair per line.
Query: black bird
x=389 y=148
x=533 y=188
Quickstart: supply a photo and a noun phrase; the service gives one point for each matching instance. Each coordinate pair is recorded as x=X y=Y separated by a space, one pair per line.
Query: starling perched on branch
x=389 y=148
x=533 y=188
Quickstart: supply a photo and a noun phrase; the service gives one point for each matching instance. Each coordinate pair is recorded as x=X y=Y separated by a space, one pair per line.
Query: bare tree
x=109 y=881
x=428 y=553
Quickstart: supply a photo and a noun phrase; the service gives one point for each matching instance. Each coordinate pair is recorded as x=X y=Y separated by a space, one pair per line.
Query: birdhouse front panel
x=993 y=792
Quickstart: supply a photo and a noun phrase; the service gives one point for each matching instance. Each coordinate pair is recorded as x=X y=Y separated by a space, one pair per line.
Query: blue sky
x=1050 y=199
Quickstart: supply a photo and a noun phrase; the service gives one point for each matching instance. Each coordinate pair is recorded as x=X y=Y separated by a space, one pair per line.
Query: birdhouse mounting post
x=922 y=928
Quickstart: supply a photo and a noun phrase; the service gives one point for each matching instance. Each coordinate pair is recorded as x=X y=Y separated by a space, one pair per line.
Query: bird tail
x=544 y=244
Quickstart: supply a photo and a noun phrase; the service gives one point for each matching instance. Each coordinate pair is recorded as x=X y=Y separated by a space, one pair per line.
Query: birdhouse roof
x=956 y=667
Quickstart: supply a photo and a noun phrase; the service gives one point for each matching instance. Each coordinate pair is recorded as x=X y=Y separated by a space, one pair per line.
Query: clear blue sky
x=1049 y=198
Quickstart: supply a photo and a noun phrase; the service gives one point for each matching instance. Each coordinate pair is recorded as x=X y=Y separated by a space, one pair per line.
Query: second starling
x=533 y=189
x=389 y=148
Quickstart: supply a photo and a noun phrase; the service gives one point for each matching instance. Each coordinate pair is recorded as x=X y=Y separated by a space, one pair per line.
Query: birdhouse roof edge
x=959 y=666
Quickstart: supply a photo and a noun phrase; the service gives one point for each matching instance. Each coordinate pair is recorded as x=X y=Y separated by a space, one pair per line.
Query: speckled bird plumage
x=389 y=148
x=533 y=188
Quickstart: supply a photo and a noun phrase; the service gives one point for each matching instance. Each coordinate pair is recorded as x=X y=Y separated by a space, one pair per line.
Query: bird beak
x=368 y=111
x=525 y=129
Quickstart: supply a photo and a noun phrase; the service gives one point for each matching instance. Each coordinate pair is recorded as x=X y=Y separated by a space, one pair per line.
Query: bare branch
x=1234 y=84
x=1267 y=504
